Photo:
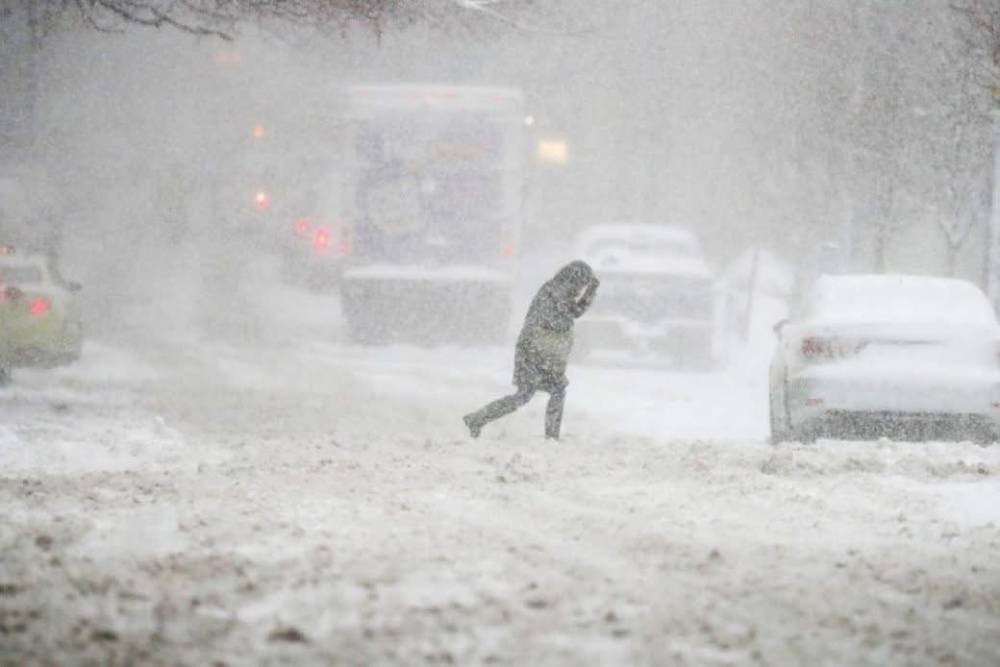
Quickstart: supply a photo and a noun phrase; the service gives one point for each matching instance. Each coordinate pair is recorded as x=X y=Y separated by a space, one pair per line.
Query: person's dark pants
x=508 y=404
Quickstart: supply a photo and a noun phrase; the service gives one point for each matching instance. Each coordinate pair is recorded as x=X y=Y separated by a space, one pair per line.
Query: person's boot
x=473 y=425
x=551 y=429
x=554 y=413
x=553 y=418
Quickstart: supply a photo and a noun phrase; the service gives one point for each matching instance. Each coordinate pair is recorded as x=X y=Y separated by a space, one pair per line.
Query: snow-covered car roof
x=642 y=248
x=892 y=298
x=23 y=269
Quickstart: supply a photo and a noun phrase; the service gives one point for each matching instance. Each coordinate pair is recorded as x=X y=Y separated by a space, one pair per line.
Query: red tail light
x=39 y=306
x=817 y=348
x=262 y=200
x=322 y=238
x=302 y=227
x=813 y=348
x=327 y=241
x=507 y=250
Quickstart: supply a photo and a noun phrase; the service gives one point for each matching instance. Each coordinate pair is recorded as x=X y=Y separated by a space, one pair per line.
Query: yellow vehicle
x=40 y=321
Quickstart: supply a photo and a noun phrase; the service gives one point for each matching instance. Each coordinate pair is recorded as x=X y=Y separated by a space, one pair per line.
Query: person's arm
x=579 y=307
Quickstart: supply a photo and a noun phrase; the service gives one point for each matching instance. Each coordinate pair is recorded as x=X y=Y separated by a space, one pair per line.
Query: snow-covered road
x=306 y=502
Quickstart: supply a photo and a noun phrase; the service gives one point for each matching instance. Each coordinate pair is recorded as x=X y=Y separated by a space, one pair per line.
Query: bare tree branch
x=141 y=13
x=485 y=7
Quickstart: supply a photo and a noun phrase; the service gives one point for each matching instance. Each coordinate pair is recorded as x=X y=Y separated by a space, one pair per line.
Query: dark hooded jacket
x=547 y=335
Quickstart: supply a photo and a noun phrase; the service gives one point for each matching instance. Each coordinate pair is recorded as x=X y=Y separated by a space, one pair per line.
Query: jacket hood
x=577 y=273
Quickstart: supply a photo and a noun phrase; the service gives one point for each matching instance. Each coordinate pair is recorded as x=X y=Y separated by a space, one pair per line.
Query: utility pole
x=993 y=245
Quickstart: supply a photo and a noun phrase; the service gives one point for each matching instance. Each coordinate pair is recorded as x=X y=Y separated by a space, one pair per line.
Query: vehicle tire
x=5 y=376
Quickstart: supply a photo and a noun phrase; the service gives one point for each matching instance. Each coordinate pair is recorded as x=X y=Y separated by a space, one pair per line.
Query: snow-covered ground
x=295 y=500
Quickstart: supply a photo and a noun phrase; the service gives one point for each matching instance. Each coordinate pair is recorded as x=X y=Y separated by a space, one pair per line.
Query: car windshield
x=654 y=249
x=644 y=250
x=20 y=275
x=904 y=299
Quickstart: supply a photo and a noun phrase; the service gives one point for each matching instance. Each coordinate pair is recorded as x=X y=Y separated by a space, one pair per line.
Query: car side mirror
x=779 y=326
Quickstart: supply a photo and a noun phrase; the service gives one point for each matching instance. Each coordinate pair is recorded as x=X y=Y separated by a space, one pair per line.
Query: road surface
x=295 y=500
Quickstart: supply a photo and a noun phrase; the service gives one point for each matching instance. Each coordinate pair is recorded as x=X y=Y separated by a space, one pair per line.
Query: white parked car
x=657 y=294
x=887 y=355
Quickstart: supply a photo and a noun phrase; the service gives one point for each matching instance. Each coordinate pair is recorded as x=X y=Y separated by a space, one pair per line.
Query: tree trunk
x=20 y=45
x=993 y=237
x=31 y=71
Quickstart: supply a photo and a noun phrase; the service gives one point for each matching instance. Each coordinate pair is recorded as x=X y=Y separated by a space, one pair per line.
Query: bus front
x=433 y=191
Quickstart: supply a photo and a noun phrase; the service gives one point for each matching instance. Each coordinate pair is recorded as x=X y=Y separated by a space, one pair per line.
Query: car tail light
x=302 y=227
x=507 y=250
x=262 y=200
x=816 y=348
x=321 y=240
x=813 y=348
x=39 y=306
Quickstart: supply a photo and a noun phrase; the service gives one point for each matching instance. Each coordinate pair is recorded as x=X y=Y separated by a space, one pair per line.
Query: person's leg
x=554 y=410
x=498 y=408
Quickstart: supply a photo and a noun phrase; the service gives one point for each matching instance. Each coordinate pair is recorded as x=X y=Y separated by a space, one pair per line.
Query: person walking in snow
x=543 y=348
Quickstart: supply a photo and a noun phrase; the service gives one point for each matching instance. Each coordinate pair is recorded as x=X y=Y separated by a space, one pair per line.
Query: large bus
x=432 y=207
